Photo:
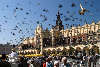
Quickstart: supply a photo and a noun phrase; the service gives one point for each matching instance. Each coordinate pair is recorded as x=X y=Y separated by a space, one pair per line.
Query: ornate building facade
x=58 y=36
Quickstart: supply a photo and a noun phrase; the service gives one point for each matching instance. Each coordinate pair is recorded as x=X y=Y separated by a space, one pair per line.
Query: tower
x=59 y=25
x=58 y=30
x=39 y=38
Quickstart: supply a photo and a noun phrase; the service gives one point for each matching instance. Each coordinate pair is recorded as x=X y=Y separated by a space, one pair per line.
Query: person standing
x=48 y=63
x=94 y=61
x=3 y=62
x=85 y=61
x=23 y=63
x=78 y=64
x=65 y=63
x=56 y=64
x=13 y=58
x=89 y=61
x=44 y=63
x=30 y=63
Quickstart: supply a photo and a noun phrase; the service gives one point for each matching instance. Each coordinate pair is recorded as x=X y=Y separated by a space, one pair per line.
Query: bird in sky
x=83 y=10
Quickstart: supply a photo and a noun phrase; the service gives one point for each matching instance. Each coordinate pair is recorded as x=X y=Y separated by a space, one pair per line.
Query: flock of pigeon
x=19 y=30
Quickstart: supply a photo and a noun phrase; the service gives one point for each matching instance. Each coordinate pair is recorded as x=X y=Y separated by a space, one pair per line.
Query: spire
x=58 y=21
x=59 y=25
x=58 y=15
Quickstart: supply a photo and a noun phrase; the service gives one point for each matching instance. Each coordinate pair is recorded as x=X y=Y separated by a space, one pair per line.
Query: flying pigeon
x=83 y=10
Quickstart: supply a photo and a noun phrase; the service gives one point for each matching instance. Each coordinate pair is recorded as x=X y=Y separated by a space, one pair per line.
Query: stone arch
x=54 y=51
x=58 y=49
x=48 y=51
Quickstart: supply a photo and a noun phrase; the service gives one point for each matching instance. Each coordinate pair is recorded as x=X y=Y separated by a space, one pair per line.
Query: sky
x=19 y=18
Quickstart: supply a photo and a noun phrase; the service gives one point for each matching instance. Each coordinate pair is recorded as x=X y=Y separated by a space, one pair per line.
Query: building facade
x=6 y=48
x=58 y=36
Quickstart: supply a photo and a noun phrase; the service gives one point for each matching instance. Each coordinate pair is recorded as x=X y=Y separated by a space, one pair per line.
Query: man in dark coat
x=3 y=62
x=23 y=62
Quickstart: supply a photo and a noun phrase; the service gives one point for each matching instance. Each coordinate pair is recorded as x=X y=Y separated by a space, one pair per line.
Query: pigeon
x=45 y=10
x=86 y=2
x=21 y=9
x=16 y=8
x=44 y=18
x=13 y=33
x=27 y=13
x=49 y=24
x=66 y=19
x=83 y=10
x=14 y=29
x=60 y=6
x=73 y=5
x=37 y=22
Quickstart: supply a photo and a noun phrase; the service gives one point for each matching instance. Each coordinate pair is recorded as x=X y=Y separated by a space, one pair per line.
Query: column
x=52 y=37
x=41 y=43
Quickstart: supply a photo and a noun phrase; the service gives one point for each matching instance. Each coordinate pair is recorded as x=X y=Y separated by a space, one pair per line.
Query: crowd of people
x=13 y=60
x=49 y=61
